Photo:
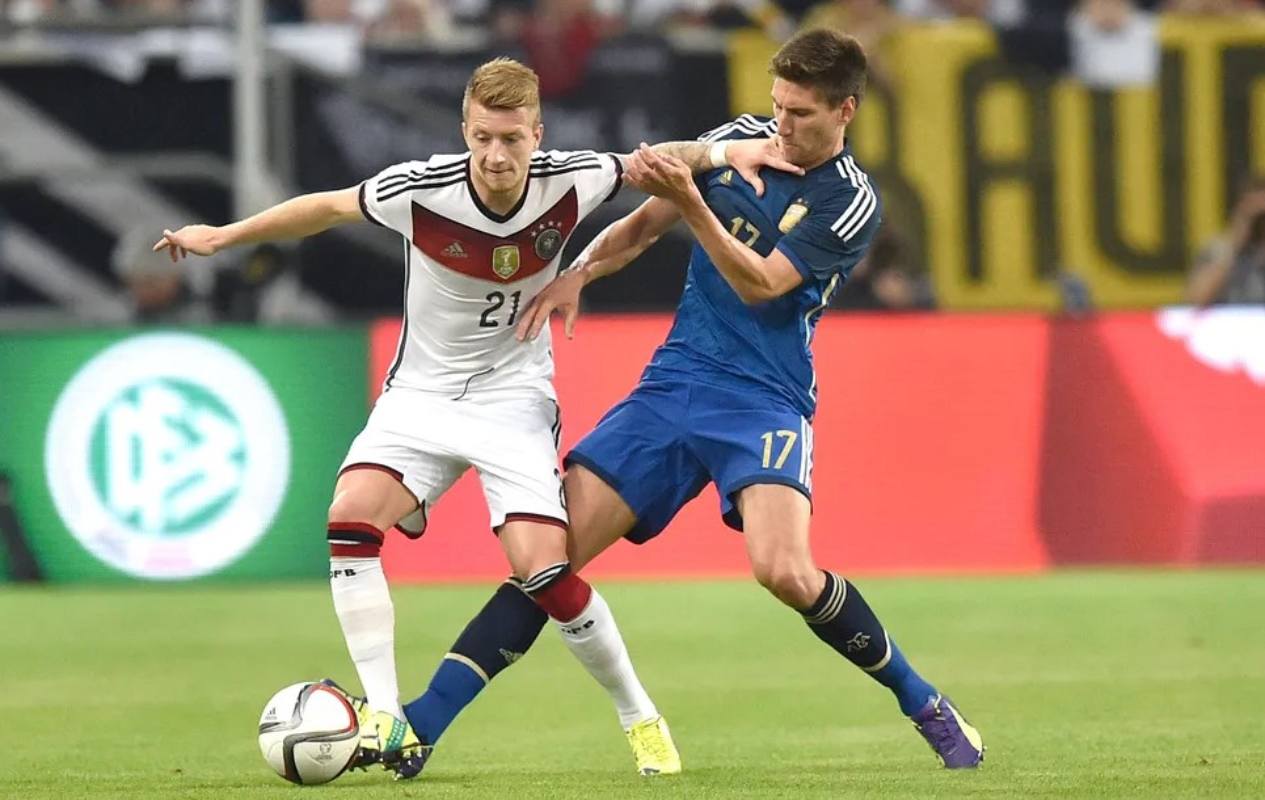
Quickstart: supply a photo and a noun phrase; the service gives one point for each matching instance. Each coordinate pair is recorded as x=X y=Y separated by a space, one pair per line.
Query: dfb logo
x=167 y=456
x=578 y=629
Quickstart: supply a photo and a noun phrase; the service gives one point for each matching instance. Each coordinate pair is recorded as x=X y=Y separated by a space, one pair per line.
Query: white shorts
x=429 y=441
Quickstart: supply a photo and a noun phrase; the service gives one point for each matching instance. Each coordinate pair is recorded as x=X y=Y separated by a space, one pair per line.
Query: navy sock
x=502 y=631
x=453 y=687
x=841 y=618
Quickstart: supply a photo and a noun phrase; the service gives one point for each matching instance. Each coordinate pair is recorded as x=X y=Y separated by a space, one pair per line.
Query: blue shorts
x=663 y=443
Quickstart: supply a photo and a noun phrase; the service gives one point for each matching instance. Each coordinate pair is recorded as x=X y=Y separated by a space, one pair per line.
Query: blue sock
x=841 y=618
x=453 y=686
x=502 y=631
x=912 y=692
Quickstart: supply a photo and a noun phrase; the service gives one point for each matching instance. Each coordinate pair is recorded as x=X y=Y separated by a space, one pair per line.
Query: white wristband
x=716 y=155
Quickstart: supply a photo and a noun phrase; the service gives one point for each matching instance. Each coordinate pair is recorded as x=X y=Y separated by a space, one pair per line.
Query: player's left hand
x=661 y=176
x=561 y=295
x=747 y=156
x=201 y=240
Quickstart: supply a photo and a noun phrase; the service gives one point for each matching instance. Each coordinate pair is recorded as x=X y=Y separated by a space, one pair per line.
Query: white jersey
x=469 y=272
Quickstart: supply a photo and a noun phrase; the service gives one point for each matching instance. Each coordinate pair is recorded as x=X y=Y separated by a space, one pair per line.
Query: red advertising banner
x=927 y=451
x=1155 y=438
x=958 y=443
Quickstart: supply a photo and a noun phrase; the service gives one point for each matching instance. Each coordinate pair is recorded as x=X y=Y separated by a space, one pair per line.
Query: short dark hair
x=830 y=62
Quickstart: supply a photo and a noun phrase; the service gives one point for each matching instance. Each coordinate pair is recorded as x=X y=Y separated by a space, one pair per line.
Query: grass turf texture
x=1084 y=685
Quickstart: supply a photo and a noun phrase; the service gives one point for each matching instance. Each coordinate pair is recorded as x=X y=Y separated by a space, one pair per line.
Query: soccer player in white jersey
x=484 y=231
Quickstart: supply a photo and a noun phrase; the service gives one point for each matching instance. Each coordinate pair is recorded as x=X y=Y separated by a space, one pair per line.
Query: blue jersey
x=822 y=222
x=729 y=397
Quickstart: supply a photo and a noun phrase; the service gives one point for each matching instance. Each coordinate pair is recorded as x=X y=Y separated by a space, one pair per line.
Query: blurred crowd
x=397 y=19
x=1102 y=43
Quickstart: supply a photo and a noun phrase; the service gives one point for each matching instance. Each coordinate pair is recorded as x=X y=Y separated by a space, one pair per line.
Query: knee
x=350 y=507
x=794 y=582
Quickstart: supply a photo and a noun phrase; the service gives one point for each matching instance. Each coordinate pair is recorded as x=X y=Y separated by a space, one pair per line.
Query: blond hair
x=503 y=84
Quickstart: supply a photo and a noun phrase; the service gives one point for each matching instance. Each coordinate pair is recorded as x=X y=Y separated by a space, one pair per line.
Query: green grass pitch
x=1093 y=684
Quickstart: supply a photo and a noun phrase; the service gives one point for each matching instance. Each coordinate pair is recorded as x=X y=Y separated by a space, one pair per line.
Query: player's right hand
x=747 y=156
x=561 y=295
x=197 y=239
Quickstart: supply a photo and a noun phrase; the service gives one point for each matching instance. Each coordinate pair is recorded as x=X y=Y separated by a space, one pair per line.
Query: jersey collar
x=487 y=212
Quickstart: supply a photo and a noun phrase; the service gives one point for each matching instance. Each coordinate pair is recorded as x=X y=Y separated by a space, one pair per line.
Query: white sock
x=593 y=638
x=363 y=603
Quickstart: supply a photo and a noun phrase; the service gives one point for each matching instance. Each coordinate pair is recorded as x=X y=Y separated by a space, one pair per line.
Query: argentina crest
x=795 y=213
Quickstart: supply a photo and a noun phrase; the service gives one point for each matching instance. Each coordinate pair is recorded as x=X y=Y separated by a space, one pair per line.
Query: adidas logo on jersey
x=455 y=250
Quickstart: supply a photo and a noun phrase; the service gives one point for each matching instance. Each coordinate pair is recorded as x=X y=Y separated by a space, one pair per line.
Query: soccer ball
x=309 y=733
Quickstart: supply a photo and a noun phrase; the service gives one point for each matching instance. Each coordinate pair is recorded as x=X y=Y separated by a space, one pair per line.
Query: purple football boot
x=954 y=740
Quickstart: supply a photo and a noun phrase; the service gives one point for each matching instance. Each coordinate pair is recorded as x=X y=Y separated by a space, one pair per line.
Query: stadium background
x=1016 y=384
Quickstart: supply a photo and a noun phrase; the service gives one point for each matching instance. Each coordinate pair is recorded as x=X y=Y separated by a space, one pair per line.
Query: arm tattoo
x=696 y=155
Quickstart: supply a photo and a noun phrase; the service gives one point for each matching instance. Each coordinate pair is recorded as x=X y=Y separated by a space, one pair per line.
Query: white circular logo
x=167 y=456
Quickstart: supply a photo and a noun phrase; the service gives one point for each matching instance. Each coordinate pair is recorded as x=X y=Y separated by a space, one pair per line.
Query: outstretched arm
x=609 y=252
x=295 y=218
x=746 y=156
x=624 y=239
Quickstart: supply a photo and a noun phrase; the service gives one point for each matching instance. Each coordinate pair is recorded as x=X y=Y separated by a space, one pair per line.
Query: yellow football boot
x=392 y=743
x=653 y=748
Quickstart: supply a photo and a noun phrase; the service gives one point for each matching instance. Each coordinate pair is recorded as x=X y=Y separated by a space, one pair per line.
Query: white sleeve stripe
x=862 y=206
x=865 y=181
x=847 y=174
x=751 y=120
x=749 y=124
x=745 y=124
x=849 y=223
x=850 y=230
x=745 y=119
x=851 y=178
x=731 y=128
x=864 y=177
x=856 y=201
x=716 y=133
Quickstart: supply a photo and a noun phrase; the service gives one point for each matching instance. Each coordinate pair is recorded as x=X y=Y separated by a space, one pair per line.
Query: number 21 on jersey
x=495 y=301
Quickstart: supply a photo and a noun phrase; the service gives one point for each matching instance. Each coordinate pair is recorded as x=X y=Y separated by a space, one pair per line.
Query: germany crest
x=548 y=243
x=505 y=260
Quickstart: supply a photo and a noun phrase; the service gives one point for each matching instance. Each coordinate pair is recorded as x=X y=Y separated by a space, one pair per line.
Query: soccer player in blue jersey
x=729 y=398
